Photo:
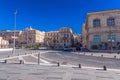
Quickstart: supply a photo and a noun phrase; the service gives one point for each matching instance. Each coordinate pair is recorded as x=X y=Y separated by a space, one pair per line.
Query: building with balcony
x=59 y=39
x=32 y=36
x=51 y=39
x=77 y=39
x=3 y=43
x=102 y=30
x=9 y=36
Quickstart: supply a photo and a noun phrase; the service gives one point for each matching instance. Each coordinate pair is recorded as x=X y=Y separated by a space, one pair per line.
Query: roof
x=52 y=32
x=105 y=11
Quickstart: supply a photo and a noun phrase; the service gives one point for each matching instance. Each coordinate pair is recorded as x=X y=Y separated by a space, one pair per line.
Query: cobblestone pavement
x=40 y=72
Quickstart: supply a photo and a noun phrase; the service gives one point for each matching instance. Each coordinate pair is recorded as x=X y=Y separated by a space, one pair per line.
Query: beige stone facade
x=31 y=36
x=9 y=35
x=51 y=38
x=102 y=30
x=84 y=36
x=3 y=43
x=77 y=39
x=59 y=39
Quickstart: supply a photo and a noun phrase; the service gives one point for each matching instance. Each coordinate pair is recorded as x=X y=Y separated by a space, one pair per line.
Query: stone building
x=59 y=39
x=66 y=37
x=84 y=36
x=102 y=30
x=51 y=39
x=32 y=36
x=9 y=36
x=3 y=43
x=77 y=39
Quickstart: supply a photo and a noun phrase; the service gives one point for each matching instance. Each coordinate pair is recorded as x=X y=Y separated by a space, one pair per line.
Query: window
x=97 y=38
x=96 y=23
x=110 y=22
x=65 y=35
x=111 y=38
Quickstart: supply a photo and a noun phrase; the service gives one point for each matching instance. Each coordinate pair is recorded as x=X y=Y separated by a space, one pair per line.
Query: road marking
x=40 y=59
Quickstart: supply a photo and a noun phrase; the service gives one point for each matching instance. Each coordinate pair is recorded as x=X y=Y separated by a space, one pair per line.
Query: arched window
x=110 y=22
x=96 y=23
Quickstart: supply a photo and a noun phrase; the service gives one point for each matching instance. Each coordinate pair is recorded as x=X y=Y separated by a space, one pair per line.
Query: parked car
x=67 y=48
x=84 y=50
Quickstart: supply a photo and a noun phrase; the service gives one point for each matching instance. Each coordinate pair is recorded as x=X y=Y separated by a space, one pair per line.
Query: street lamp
x=111 y=44
x=15 y=12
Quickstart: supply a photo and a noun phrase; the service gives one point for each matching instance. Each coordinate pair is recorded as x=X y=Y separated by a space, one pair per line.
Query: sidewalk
x=6 y=49
x=105 y=55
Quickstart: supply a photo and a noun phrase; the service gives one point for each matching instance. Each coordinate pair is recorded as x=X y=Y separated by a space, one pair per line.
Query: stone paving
x=106 y=55
x=48 y=71
x=41 y=72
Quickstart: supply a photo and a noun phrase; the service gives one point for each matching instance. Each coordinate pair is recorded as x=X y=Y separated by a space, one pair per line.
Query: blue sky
x=47 y=15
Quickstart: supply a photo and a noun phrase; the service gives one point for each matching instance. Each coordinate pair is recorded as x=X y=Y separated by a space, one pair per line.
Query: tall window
x=110 y=22
x=97 y=38
x=96 y=23
x=65 y=35
x=112 y=38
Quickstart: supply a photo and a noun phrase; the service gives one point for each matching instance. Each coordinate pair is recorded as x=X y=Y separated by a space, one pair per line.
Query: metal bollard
x=38 y=58
x=5 y=61
x=91 y=54
x=104 y=68
x=79 y=66
x=58 y=64
x=101 y=55
x=21 y=62
x=114 y=56
x=84 y=53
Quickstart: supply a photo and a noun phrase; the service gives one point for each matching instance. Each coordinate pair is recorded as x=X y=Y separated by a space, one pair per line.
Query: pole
x=38 y=58
x=110 y=41
x=15 y=12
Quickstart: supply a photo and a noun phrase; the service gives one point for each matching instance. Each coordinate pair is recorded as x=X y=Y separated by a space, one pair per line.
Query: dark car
x=67 y=48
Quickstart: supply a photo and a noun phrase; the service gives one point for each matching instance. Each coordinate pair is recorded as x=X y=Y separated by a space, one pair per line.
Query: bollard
x=21 y=62
x=58 y=64
x=104 y=68
x=91 y=54
x=38 y=58
x=5 y=61
x=8 y=56
x=79 y=66
x=115 y=57
x=84 y=53
x=101 y=55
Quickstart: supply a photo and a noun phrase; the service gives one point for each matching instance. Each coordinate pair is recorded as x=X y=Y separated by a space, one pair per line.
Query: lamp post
x=15 y=12
x=110 y=40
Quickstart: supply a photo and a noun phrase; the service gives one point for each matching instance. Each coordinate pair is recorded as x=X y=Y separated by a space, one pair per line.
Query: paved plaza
x=41 y=72
x=48 y=69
